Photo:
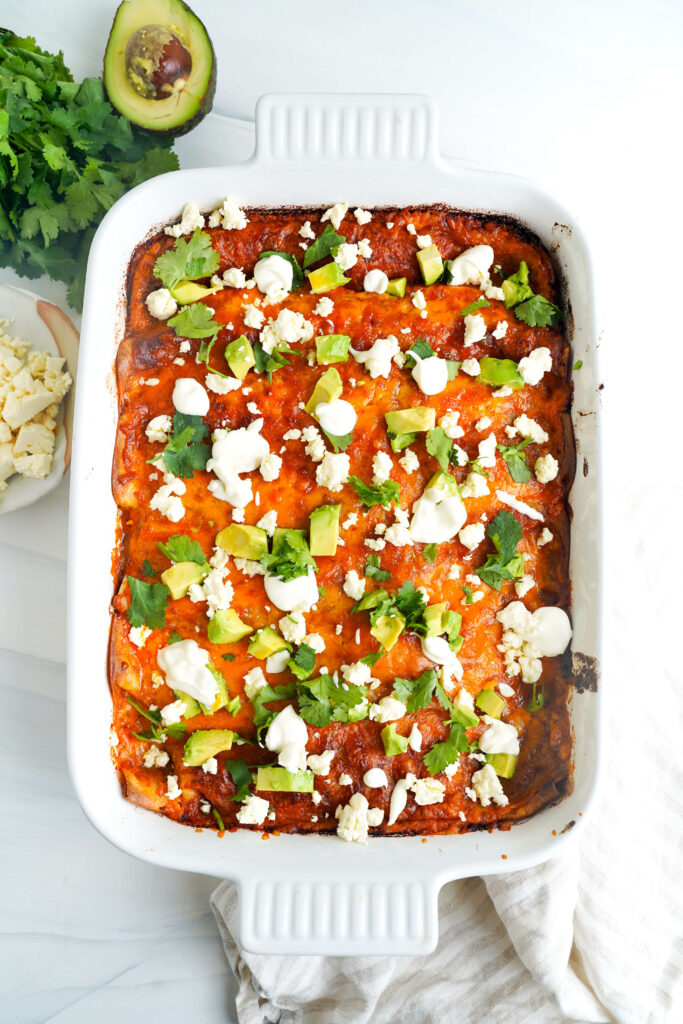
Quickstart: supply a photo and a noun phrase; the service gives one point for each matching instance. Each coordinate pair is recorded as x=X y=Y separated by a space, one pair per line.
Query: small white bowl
x=47 y=329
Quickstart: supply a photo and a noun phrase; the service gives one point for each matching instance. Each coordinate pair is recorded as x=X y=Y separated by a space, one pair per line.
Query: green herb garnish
x=322 y=701
x=467 y=591
x=263 y=716
x=440 y=445
x=148 y=569
x=240 y=773
x=537 y=699
x=416 y=694
x=148 y=604
x=292 y=558
x=195 y=321
x=374 y=571
x=302 y=663
x=323 y=246
x=188 y=260
x=186 y=451
x=270 y=363
x=370 y=495
x=181 y=548
x=340 y=442
x=506 y=532
x=174 y=638
x=429 y=552
x=443 y=754
x=515 y=461
x=578 y=364
x=481 y=303
x=531 y=309
x=66 y=156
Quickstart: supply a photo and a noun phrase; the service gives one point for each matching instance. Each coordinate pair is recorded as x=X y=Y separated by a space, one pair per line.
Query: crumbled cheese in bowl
x=32 y=386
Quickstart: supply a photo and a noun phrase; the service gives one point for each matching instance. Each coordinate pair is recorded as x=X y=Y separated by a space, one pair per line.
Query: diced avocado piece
x=400 y=441
x=503 y=764
x=371 y=599
x=464 y=715
x=206 y=743
x=279 y=780
x=180 y=577
x=387 y=629
x=222 y=698
x=243 y=541
x=434 y=616
x=190 y=703
x=431 y=264
x=408 y=421
x=327 y=388
x=393 y=743
x=324 y=279
x=265 y=642
x=324 y=530
x=226 y=627
x=499 y=372
x=397 y=286
x=443 y=482
x=186 y=292
x=240 y=356
x=491 y=703
x=332 y=348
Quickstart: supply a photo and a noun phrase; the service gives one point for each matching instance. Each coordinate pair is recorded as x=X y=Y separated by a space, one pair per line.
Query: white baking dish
x=316 y=894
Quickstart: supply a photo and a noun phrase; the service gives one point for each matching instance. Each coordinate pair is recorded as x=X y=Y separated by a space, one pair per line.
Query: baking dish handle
x=338 y=918
x=302 y=128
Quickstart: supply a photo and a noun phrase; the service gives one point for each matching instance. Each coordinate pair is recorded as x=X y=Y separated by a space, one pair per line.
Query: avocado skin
x=205 y=103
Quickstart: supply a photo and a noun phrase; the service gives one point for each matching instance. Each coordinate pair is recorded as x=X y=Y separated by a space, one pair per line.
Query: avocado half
x=159 y=66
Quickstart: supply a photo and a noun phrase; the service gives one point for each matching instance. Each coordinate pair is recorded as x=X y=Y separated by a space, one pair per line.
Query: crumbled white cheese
x=268 y=522
x=388 y=709
x=532 y=367
x=523 y=586
x=335 y=214
x=471 y=536
x=545 y=537
x=289 y=328
x=254 y=681
x=475 y=329
x=167 y=500
x=155 y=758
x=173 y=790
x=449 y=424
x=333 y=471
x=428 y=791
x=546 y=469
x=362 y=216
x=482 y=424
x=253 y=811
x=529 y=428
x=210 y=767
x=381 y=468
x=270 y=466
x=228 y=215
x=419 y=301
x=500 y=330
x=346 y=256
x=354 y=585
x=190 y=219
x=161 y=304
x=325 y=306
x=378 y=358
x=471 y=367
x=475 y=486
x=353 y=820
x=345 y=780
x=409 y=461
x=293 y=627
x=138 y=635
x=249 y=567
x=218 y=593
x=320 y=763
x=357 y=674
x=375 y=816
x=487 y=787
x=315 y=446
x=221 y=385
x=159 y=428
x=306 y=231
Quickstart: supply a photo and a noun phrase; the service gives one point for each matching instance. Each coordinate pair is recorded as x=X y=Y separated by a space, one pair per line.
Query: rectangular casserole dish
x=305 y=894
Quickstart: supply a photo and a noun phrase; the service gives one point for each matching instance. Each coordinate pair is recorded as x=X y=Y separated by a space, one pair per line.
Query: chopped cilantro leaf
x=204 y=353
x=578 y=364
x=538 y=312
x=370 y=495
x=515 y=461
x=537 y=699
x=291 y=559
x=322 y=246
x=416 y=694
x=467 y=591
x=322 y=701
x=340 y=442
x=185 y=451
x=297 y=272
x=443 y=754
x=181 y=548
x=372 y=658
x=219 y=820
x=422 y=349
x=195 y=321
x=453 y=366
x=263 y=716
x=228 y=657
x=411 y=603
x=187 y=260
x=268 y=364
x=240 y=773
x=506 y=532
x=157 y=734
x=174 y=638
x=440 y=445
x=481 y=303
x=302 y=664
x=374 y=571
x=148 y=569
x=148 y=604
x=429 y=552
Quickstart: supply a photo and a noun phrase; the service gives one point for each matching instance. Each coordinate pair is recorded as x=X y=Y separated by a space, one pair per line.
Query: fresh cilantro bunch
x=506 y=532
x=322 y=701
x=66 y=156
x=531 y=309
x=290 y=558
x=181 y=548
x=186 y=449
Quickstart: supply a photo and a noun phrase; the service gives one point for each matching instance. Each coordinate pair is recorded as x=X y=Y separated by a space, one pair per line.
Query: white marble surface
x=90 y=934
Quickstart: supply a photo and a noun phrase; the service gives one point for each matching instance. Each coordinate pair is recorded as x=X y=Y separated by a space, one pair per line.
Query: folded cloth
x=595 y=935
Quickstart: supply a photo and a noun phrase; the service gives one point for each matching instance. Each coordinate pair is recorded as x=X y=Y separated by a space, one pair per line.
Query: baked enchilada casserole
x=341 y=578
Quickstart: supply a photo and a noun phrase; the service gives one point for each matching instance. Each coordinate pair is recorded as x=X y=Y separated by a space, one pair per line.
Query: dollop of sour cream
x=430 y=375
x=185 y=666
x=190 y=397
x=287 y=736
x=273 y=276
x=436 y=648
x=296 y=595
x=375 y=778
x=548 y=629
x=472 y=266
x=375 y=281
x=439 y=514
x=399 y=798
x=499 y=738
x=336 y=417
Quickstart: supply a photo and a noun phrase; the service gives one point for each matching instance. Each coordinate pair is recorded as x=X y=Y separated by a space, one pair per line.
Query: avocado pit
x=158 y=65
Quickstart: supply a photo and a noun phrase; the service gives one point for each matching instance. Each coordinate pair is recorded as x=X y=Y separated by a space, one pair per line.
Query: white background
x=584 y=97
